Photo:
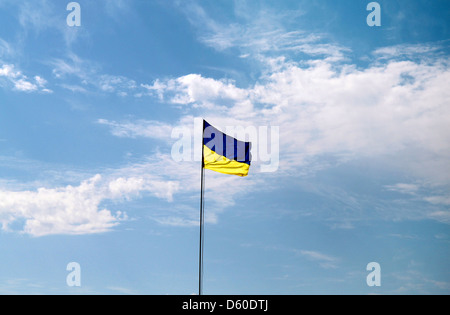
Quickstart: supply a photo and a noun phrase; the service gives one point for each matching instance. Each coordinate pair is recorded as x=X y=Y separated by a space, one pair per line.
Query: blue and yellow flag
x=224 y=154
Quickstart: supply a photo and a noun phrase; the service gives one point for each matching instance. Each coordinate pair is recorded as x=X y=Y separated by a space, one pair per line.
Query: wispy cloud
x=140 y=128
x=74 y=66
x=264 y=32
x=424 y=193
x=325 y=261
x=403 y=188
x=85 y=76
x=410 y=51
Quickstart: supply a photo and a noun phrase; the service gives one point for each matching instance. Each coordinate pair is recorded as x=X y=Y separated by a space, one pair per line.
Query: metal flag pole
x=202 y=217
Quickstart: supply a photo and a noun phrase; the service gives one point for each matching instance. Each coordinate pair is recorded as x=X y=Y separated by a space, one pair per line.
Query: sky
x=351 y=146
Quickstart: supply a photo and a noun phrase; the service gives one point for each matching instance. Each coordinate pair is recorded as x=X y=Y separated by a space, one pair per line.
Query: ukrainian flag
x=224 y=154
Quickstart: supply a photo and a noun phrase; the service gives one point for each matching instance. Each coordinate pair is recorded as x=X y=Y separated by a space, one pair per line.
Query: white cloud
x=180 y=182
x=110 y=83
x=76 y=209
x=441 y=215
x=47 y=91
x=393 y=108
x=261 y=33
x=41 y=82
x=157 y=88
x=8 y=71
x=205 y=92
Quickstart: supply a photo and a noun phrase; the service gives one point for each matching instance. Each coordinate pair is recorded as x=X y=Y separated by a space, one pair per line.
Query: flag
x=225 y=154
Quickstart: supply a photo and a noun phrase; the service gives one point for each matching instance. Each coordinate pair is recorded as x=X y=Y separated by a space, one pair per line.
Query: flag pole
x=202 y=216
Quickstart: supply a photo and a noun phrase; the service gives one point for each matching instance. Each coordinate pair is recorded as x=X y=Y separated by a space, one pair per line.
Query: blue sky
x=87 y=173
